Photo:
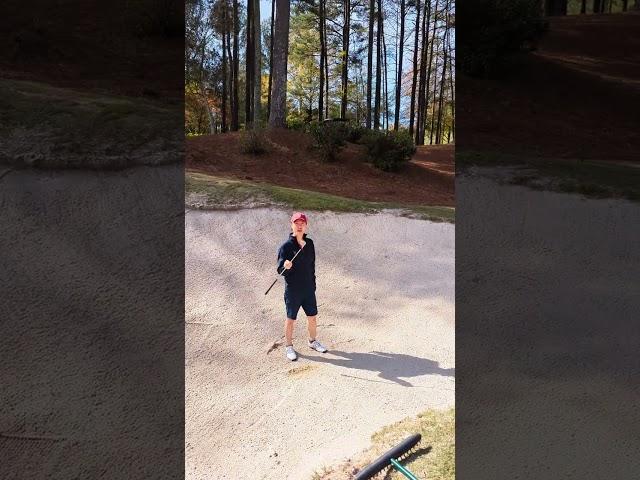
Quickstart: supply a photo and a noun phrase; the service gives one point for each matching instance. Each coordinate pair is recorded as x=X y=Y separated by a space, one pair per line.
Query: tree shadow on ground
x=390 y=366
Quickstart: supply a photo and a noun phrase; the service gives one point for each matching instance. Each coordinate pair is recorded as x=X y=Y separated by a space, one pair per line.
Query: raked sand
x=385 y=290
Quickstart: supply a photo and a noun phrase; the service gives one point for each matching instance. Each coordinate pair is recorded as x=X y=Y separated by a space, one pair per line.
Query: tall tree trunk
x=376 y=110
x=326 y=63
x=250 y=55
x=358 y=99
x=396 y=121
x=423 y=82
x=583 y=6
x=236 y=67
x=442 y=80
x=273 y=16
x=257 y=65
x=224 y=77
x=597 y=6
x=421 y=78
x=415 y=69
x=435 y=77
x=322 y=60
x=278 y=118
x=625 y=5
x=395 y=61
x=386 y=82
x=230 y=74
x=345 y=56
x=452 y=130
x=555 y=7
x=433 y=112
x=372 y=12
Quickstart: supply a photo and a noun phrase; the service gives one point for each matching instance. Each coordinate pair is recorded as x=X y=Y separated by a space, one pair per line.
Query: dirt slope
x=290 y=162
x=122 y=47
x=575 y=97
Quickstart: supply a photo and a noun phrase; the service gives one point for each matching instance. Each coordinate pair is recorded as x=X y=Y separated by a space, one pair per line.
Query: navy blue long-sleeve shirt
x=301 y=277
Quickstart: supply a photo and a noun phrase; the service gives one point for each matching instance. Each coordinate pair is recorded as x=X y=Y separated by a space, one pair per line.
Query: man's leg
x=311 y=310
x=310 y=307
x=313 y=341
x=312 y=326
x=292 y=305
x=288 y=331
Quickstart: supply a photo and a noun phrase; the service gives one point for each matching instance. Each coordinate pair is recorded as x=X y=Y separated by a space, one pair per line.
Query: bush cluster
x=329 y=138
x=253 y=141
x=388 y=151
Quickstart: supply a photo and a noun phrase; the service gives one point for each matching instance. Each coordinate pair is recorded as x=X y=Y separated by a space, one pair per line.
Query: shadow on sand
x=390 y=366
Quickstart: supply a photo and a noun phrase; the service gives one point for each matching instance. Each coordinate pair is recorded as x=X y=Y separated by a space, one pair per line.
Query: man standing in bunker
x=300 y=283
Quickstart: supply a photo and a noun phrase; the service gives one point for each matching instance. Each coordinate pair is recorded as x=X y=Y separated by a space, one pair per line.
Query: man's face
x=299 y=227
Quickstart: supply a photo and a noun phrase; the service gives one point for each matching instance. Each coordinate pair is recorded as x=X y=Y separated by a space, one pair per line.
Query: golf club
x=283 y=269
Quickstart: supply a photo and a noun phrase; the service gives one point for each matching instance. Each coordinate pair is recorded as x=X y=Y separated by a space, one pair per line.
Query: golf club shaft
x=274 y=282
x=283 y=269
x=294 y=257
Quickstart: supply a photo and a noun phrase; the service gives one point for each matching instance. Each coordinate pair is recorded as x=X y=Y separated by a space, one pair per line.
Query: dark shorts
x=306 y=300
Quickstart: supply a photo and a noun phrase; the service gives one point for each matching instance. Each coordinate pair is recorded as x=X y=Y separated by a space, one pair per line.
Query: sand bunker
x=386 y=312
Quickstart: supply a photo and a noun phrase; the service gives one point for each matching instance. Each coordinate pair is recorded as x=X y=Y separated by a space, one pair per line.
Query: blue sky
x=265 y=9
x=265 y=13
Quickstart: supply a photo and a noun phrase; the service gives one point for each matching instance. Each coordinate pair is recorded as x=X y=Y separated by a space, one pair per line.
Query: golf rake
x=283 y=269
x=391 y=459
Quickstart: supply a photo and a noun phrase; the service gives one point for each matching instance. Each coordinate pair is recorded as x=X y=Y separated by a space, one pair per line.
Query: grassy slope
x=587 y=177
x=433 y=458
x=50 y=127
x=209 y=192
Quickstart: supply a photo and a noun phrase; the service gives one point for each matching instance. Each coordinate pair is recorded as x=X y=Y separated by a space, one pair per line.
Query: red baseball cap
x=298 y=216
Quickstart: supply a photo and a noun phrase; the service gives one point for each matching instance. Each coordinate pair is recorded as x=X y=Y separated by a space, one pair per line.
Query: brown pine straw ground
x=575 y=97
x=428 y=179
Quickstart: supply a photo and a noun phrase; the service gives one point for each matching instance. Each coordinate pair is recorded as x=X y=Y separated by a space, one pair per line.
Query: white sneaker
x=317 y=346
x=291 y=353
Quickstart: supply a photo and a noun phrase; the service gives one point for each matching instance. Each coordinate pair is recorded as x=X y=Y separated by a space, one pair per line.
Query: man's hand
x=287 y=264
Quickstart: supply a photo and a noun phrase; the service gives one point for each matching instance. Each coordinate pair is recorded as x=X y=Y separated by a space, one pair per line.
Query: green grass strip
x=215 y=192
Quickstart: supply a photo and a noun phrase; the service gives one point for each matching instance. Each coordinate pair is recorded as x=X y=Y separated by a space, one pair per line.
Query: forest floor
x=91 y=46
x=428 y=179
x=575 y=97
x=88 y=85
x=564 y=118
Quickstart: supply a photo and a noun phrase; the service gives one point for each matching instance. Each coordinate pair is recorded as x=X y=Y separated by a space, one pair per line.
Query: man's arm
x=282 y=256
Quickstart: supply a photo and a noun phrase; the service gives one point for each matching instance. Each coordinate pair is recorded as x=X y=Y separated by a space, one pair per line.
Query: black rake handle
x=384 y=461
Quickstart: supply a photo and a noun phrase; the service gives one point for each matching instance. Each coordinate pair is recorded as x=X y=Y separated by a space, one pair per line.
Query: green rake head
x=392 y=459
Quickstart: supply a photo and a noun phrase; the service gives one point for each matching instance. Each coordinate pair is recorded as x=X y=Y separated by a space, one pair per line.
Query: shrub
x=311 y=127
x=329 y=138
x=295 y=123
x=156 y=17
x=355 y=131
x=388 y=151
x=496 y=33
x=253 y=141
